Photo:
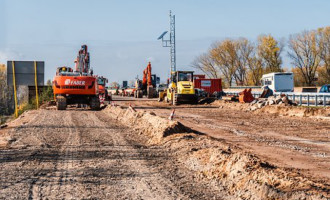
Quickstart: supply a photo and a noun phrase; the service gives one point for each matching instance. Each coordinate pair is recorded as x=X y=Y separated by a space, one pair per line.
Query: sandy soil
x=77 y=154
x=300 y=143
x=216 y=151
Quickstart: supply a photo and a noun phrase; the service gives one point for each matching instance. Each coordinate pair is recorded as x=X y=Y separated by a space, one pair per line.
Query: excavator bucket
x=246 y=96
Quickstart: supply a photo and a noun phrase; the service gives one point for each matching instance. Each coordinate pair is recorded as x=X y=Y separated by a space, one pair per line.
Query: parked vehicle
x=161 y=87
x=325 y=89
x=278 y=81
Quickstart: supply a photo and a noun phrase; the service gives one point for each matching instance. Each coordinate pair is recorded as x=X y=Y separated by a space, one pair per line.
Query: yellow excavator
x=180 y=89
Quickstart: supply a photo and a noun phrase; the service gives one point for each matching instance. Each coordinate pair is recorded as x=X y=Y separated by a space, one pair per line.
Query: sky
x=122 y=34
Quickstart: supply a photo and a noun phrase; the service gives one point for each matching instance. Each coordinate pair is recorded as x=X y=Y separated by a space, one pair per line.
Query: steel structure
x=170 y=43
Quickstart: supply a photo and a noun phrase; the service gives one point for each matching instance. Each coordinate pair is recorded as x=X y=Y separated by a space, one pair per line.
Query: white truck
x=278 y=81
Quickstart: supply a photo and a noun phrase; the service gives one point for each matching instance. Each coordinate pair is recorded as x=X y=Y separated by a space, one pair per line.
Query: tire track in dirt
x=79 y=154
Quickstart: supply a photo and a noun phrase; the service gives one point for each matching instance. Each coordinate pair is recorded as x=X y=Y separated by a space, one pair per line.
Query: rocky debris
x=3 y=126
x=261 y=102
x=207 y=100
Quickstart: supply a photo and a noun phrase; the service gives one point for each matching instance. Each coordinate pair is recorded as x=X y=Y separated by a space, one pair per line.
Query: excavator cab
x=102 y=81
x=184 y=76
x=63 y=70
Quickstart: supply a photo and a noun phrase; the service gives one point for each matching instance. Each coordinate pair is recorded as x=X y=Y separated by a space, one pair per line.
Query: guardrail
x=245 y=87
x=309 y=99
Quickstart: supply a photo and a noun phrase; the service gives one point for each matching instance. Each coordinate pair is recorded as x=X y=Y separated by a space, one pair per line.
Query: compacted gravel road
x=82 y=154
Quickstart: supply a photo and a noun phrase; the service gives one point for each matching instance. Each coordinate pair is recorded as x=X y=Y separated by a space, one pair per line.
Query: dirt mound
x=146 y=123
x=243 y=175
x=319 y=112
x=247 y=177
x=281 y=110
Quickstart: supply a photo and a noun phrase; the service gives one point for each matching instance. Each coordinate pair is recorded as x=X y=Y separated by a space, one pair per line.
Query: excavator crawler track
x=95 y=103
x=61 y=103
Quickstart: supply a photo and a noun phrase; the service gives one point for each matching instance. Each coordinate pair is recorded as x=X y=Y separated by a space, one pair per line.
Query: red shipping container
x=209 y=85
x=199 y=76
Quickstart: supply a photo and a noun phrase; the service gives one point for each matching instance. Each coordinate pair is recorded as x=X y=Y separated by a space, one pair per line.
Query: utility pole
x=170 y=43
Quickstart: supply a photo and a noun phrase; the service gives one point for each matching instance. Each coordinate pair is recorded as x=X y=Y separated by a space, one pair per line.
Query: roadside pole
x=36 y=83
x=15 y=92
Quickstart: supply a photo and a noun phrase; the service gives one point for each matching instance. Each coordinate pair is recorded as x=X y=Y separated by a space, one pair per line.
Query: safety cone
x=171 y=115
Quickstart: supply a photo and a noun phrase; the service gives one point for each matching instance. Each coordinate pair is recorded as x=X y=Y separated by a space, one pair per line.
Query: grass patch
x=45 y=96
x=2 y=119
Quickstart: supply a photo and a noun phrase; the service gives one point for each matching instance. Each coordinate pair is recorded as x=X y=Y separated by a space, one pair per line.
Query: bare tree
x=244 y=54
x=324 y=44
x=206 y=64
x=255 y=71
x=224 y=55
x=305 y=54
x=6 y=93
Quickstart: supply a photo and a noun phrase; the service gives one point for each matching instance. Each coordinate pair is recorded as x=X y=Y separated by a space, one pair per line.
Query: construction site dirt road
x=77 y=154
x=212 y=152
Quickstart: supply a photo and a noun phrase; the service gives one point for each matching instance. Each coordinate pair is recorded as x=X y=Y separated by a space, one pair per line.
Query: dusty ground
x=77 y=154
x=118 y=154
x=301 y=143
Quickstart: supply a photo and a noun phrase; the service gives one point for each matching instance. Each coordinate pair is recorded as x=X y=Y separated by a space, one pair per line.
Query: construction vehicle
x=103 y=92
x=278 y=81
x=325 y=89
x=148 y=84
x=246 y=96
x=78 y=86
x=181 y=89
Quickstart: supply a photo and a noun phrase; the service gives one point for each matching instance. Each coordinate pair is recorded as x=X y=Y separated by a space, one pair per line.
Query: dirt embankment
x=242 y=174
x=280 y=110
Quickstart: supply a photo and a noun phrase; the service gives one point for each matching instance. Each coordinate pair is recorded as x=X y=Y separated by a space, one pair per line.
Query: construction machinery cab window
x=185 y=76
x=267 y=82
x=64 y=70
x=101 y=81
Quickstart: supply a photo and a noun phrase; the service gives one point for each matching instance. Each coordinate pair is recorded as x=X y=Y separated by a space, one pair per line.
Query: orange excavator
x=76 y=87
x=148 y=84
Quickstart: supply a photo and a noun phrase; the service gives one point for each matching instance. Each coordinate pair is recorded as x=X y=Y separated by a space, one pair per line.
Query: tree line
x=243 y=62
